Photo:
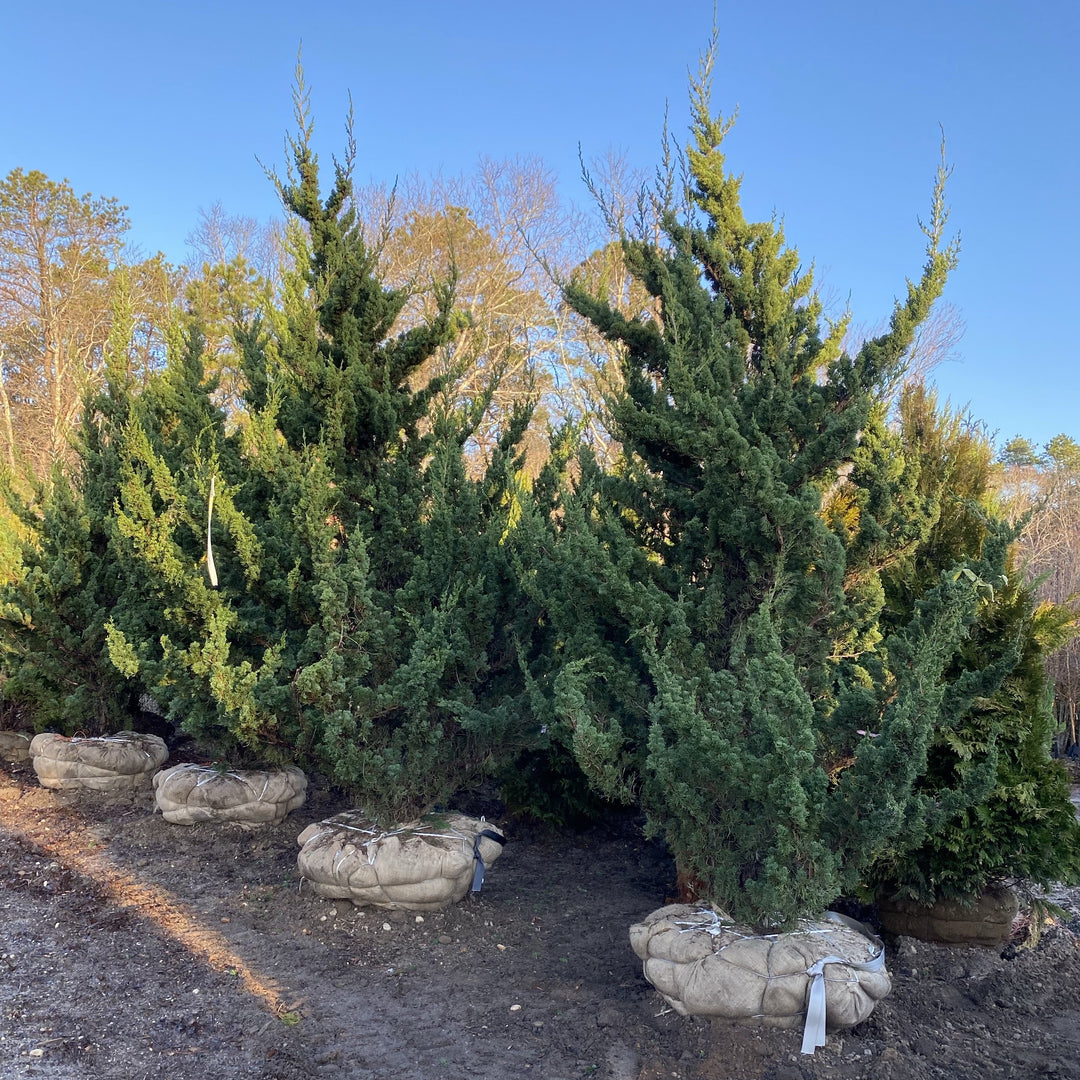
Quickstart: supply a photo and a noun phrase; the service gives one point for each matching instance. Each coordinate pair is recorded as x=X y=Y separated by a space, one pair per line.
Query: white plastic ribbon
x=814 y=1028
x=211 y=570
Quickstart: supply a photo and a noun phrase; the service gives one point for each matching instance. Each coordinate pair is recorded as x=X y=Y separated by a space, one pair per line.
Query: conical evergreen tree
x=55 y=616
x=364 y=619
x=697 y=592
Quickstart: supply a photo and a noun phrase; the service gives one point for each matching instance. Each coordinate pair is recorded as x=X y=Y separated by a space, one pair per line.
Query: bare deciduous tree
x=499 y=233
x=234 y=272
x=1045 y=488
x=57 y=251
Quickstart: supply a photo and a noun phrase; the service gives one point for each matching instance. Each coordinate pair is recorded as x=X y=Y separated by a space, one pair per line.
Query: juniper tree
x=56 y=614
x=996 y=807
x=696 y=592
x=993 y=804
x=363 y=622
x=53 y=619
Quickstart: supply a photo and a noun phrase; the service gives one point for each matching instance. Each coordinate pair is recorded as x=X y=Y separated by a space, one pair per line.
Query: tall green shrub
x=55 y=613
x=697 y=591
x=997 y=806
x=365 y=619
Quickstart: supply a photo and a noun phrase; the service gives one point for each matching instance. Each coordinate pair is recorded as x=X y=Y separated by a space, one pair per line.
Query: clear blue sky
x=167 y=105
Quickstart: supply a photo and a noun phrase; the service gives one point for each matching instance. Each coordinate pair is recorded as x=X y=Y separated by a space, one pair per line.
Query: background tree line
x=1041 y=489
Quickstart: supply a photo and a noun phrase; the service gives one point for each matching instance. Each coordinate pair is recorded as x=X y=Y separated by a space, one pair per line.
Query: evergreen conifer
x=365 y=617
x=696 y=593
x=996 y=806
x=55 y=613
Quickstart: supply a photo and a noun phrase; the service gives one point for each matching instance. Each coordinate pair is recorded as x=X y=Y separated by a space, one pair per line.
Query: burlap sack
x=423 y=866
x=987 y=920
x=14 y=746
x=188 y=794
x=112 y=764
x=705 y=965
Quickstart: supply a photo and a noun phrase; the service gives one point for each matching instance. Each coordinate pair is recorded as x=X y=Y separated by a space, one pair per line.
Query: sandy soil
x=134 y=949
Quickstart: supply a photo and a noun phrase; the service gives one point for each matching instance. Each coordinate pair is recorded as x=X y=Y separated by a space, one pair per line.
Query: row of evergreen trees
x=784 y=625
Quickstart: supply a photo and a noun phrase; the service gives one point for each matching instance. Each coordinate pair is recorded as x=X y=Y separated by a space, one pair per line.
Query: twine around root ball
x=111 y=764
x=422 y=866
x=705 y=965
x=189 y=794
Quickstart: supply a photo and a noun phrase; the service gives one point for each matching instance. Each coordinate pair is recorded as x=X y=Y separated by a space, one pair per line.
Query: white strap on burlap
x=814 y=1029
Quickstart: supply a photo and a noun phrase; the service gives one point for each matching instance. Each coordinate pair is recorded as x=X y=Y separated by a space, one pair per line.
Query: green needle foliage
x=696 y=593
x=53 y=620
x=55 y=614
x=365 y=620
x=1002 y=808
x=997 y=805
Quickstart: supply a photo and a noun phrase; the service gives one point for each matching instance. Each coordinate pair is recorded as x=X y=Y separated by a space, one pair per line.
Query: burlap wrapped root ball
x=423 y=866
x=705 y=965
x=188 y=794
x=119 y=764
x=985 y=920
x=14 y=746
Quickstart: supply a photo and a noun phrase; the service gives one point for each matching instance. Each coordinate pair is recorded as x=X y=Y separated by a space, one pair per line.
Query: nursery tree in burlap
x=363 y=618
x=697 y=593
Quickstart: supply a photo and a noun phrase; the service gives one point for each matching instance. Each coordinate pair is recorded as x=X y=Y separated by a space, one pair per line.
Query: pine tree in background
x=364 y=620
x=696 y=593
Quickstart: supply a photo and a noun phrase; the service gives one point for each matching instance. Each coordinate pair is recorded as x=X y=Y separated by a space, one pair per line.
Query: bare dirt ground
x=133 y=949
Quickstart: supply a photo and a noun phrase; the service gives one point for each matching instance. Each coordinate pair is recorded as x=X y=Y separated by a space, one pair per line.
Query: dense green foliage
x=54 y=616
x=54 y=611
x=998 y=807
x=784 y=622
x=699 y=596
x=364 y=619
x=1002 y=805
